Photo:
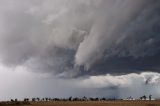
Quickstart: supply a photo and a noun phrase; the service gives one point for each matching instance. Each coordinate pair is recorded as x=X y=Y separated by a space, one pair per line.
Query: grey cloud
x=45 y=85
x=73 y=38
x=111 y=34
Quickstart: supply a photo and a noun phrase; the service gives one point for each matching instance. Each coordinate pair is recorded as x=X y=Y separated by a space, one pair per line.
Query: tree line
x=46 y=99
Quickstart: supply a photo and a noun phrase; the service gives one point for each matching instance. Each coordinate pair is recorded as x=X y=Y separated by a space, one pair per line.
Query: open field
x=99 y=103
x=94 y=103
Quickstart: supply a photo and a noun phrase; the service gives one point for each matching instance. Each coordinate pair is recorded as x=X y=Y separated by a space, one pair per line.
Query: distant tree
x=43 y=99
x=25 y=100
x=70 y=98
x=150 y=97
x=84 y=98
x=91 y=99
x=96 y=99
x=46 y=99
x=33 y=99
x=28 y=99
x=76 y=99
x=49 y=99
x=56 y=99
x=12 y=100
x=16 y=100
x=38 y=99
x=103 y=99
x=144 y=97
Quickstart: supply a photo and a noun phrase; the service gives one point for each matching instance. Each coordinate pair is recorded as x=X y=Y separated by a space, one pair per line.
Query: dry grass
x=92 y=103
x=17 y=103
x=99 y=103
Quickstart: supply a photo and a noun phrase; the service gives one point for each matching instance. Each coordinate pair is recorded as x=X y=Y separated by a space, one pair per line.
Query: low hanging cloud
x=122 y=81
x=83 y=37
x=45 y=85
x=123 y=86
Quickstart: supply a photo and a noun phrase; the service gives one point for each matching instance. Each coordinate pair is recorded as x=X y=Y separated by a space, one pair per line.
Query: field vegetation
x=84 y=103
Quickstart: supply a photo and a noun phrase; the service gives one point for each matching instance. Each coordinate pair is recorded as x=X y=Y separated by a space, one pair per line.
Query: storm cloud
x=84 y=37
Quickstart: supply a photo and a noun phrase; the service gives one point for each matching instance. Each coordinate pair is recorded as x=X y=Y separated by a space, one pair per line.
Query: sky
x=92 y=48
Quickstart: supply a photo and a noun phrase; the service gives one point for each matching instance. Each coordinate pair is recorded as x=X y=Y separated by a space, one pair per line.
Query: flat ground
x=99 y=103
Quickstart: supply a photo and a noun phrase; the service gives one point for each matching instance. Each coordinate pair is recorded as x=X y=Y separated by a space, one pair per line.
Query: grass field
x=93 y=103
x=98 y=103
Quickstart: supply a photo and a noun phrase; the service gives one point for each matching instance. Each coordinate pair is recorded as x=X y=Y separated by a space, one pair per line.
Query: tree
x=43 y=99
x=84 y=98
x=16 y=100
x=12 y=100
x=150 y=97
x=33 y=99
x=103 y=99
x=38 y=99
x=26 y=100
x=70 y=98
x=46 y=99
x=144 y=97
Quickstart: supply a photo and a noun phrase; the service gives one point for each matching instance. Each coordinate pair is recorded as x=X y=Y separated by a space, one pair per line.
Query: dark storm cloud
x=128 y=64
x=74 y=38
